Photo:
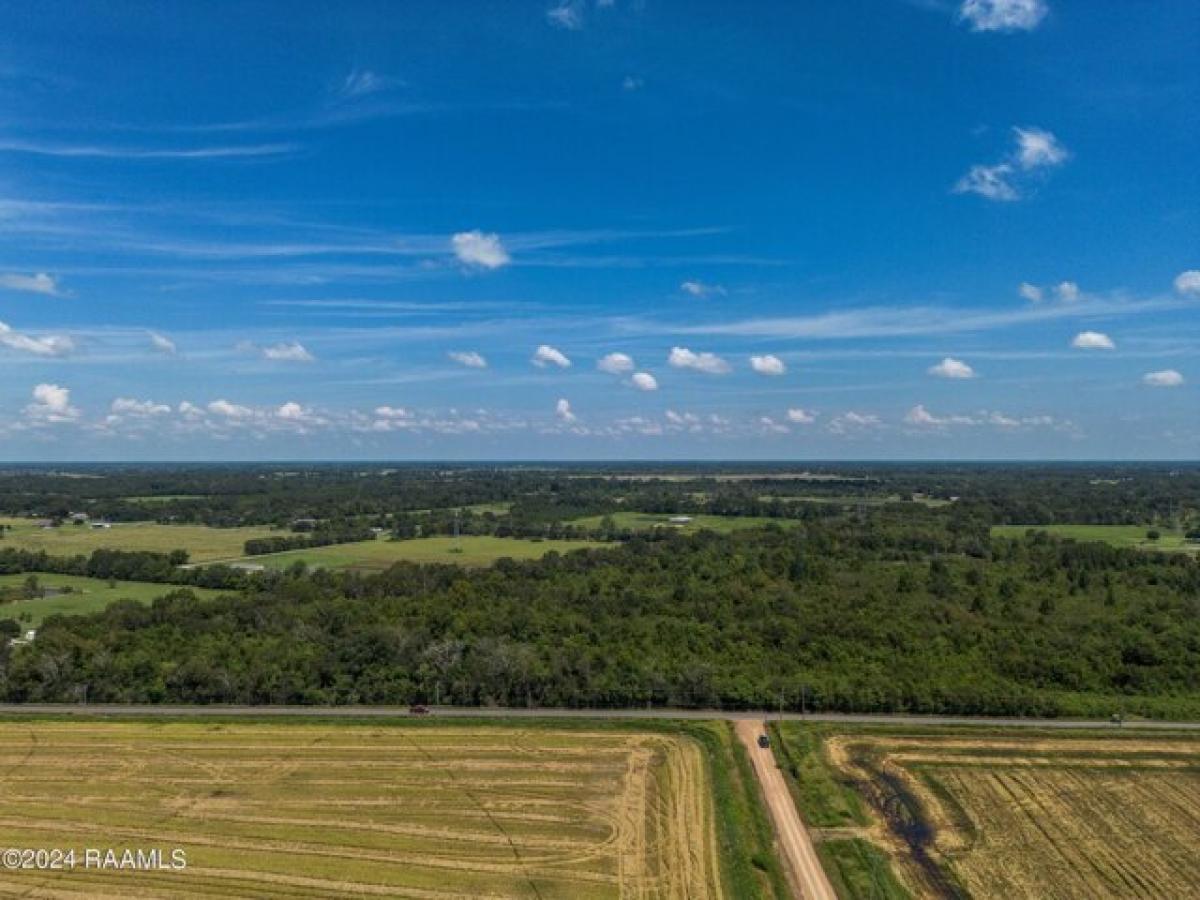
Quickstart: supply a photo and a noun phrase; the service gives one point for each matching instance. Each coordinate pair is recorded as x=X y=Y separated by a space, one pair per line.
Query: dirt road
x=799 y=855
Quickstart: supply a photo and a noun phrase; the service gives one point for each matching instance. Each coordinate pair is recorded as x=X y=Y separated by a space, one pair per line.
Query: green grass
x=1116 y=535
x=636 y=521
x=88 y=595
x=470 y=550
x=826 y=800
x=860 y=871
x=202 y=543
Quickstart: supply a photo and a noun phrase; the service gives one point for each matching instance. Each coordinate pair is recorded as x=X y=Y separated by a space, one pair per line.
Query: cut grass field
x=377 y=555
x=88 y=595
x=201 y=542
x=1116 y=535
x=636 y=521
x=992 y=814
x=398 y=809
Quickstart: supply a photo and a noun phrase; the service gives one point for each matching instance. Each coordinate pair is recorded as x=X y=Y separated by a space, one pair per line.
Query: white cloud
x=952 y=368
x=710 y=363
x=287 y=352
x=161 y=343
x=616 y=363
x=1188 y=283
x=50 y=345
x=992 y=182
x=41 y=283
x=566 y=14
x=1030 y=292
x=801 y=416
x=1165 y=378
x=127 y=406
x=1093 y=340
x=644 y=381
x=767 y=365
x=474 y=248
x=190 y=410
x=1034 y=149
x=919 y=415
x=545 y=355
x=562 y=409
x=292 y=411
x=51 y=404
x=392 y=412
x=849 y=422
x=1003 y=15
x=770 y=425
x=632 y=83
x=700 y=289
x=1067 y=292
x=468 y=358
x=1037 y=147
x=228 y=410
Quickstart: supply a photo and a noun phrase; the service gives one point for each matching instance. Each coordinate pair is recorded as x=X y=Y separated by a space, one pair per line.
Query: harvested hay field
x=417 y=810
x=1004 y=816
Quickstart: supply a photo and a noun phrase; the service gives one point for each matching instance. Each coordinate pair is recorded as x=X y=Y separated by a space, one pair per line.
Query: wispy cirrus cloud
x=38 y=283
x=1034 y=151
x=105 y=151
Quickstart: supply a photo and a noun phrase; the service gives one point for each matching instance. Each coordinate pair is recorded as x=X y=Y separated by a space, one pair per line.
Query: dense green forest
x=890 y=609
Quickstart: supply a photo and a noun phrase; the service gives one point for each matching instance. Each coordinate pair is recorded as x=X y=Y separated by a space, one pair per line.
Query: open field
x=469 y=550
x=88 y=595
x=421 y=810
x=201 y=542
x=992 y=814
x=1116 y=535
x=645 y=521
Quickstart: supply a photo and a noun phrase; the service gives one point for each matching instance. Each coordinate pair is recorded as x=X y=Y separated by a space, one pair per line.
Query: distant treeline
x=897 y=612
x=319 y=538
x=129 y=565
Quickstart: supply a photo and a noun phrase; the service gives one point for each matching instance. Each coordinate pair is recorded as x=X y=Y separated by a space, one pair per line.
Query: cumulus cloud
x=1003 y=15
x=700 y=289
x=287 y=352
x=161 y=343
x=644 y=381
x=767 y=365
x=1164 y=378
x=40 y=283
x=616 y=363
x=50 y=345
x=227 y=410
x=800 y=416
x=562 y=409
x=710 y=363
x=545 y=355
x=1188 y=283
x=992 y=182
x=952 y=368
x=292 y=411
x=851 y=422
x=1034 y=150
x=468 y=358
x=51 y=404
x=1037 y=147
x=1093 y=340
x=1067 y=292
x=1030 y=292
x=474 y=248
x=127 y=406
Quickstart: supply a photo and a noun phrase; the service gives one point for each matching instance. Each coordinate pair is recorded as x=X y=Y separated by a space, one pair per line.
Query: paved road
x=108 y=709
x=799 y=855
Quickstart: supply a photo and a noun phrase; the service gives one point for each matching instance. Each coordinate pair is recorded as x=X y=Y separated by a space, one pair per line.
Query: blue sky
x=622 y=229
